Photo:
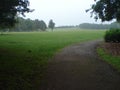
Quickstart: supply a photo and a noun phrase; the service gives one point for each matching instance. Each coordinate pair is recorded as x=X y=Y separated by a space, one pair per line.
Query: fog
x=63 y=12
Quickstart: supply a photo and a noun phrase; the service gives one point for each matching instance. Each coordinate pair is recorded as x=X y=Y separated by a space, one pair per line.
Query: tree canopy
x=106 y=10
x=51 y=24
x=9 y=9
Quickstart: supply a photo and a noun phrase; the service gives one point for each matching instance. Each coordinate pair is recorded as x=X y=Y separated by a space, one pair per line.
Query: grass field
x=24 y=55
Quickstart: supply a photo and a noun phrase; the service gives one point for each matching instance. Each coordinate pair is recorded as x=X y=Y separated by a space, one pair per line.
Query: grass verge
x=110 y=58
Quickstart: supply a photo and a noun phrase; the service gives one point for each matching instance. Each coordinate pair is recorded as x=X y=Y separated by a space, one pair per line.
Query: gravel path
x=77 y=67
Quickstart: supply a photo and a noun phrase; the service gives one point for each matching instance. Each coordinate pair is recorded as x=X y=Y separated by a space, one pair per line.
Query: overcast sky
x=63 y=12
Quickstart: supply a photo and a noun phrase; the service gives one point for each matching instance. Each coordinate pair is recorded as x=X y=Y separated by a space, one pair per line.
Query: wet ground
x=78 y=67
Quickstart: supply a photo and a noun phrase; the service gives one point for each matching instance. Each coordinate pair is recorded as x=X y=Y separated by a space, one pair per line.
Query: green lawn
x=24 y=55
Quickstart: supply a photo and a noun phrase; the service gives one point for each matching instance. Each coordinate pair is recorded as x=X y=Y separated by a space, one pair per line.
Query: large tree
x=106 y=10
x=9 y=9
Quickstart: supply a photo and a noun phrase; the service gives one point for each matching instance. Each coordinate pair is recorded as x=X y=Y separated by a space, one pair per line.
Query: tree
x=43 y=25
x=9 y=9
x=106 y=10
x=51 y=24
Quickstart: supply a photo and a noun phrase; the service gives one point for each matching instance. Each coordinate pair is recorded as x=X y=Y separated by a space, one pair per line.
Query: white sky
x=63 y=12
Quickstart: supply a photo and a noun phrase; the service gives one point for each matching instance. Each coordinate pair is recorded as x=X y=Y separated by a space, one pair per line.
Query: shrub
x=112 y=35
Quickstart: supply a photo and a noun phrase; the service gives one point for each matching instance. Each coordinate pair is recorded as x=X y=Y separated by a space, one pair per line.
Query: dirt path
x=77 y=67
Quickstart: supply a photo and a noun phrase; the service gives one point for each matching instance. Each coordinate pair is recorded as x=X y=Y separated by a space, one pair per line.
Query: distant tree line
x=28 y=25
x=99 y=26
x=93 y=26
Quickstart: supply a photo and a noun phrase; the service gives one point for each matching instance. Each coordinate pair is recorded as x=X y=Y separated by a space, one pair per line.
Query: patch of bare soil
x=112 y=48
x=77 y=67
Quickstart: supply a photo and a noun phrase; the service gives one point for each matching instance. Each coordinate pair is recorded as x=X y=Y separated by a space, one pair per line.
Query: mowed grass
x=24 y=56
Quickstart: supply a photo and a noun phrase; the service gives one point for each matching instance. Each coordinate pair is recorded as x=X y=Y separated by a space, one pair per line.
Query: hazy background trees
x=99 y=26
x=51 y=24
x=42 y=25
x=28 y=25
